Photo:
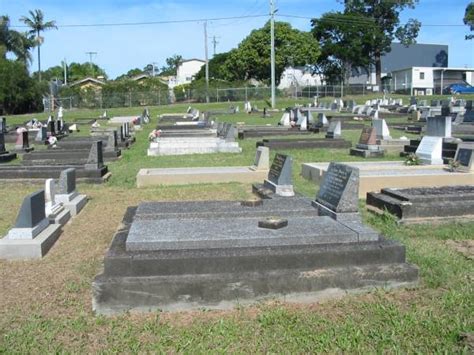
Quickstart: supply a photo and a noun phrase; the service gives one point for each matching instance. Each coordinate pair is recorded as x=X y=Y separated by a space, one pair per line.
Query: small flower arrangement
x=412 y=159
x=453 y=165
x=156 y=133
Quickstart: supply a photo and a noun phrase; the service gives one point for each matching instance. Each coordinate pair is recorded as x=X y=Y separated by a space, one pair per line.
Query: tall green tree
x=19 y=93
x=343 y=38
x=251 y=59
x=469 y=19
x=216 y=67
x=78 y=71
x=382 y=18
x=37 y=24
x=17 y=43
x=172 y=64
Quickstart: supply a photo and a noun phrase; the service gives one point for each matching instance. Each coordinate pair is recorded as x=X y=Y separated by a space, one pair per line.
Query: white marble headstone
x=430 y=150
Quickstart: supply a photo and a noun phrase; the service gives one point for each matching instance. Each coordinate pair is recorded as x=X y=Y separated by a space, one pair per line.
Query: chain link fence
x=99 y=100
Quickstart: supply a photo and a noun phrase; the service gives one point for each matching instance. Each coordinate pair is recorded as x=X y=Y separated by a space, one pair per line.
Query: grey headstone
x=95 y=160
x=334 y=130
x=439 y=126
x=67 y=182
x=339 y=190
x=280 y=171
x=42 y=134
x=230 y=133
x=31 y=210
x=112 y=140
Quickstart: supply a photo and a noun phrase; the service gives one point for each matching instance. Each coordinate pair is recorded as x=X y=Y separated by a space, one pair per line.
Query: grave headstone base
x=268 y=189
x=367 y=151
x=7 y=156
x=19 y=249
x=61 y=218
x=74 y=202
x=197 y=263
x=425 y=204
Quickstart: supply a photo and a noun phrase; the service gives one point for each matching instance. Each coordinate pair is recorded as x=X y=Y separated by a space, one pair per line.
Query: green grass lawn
x=45 y=306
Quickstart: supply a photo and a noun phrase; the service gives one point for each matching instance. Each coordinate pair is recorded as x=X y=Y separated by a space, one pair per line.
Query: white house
x=186 y=71
x=298 y=77
x=429 y=80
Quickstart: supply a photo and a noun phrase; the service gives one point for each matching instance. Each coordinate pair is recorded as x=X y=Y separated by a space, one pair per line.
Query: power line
x=361 y=21
x=150 y=23
x=238 y=18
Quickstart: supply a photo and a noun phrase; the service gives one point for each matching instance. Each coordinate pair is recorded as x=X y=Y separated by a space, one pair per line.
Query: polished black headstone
x=445 y=111
x=52 y=127
x=2 y=143
x=31 y=210
x=3 y=125
x=339 y=190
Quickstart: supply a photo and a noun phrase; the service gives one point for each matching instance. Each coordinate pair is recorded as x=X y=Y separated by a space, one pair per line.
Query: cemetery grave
x=41 y=217
x=425 y=205
x=377 y=175
x=220 y=253
x=5 y=156
x=367 y=146
x=205 y=141
x=89 y=166
x=180 y=176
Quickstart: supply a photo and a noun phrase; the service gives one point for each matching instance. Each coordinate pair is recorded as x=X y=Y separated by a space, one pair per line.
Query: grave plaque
x=465 y=155
x=280 y=171
x=368 y=136
x=339 y=190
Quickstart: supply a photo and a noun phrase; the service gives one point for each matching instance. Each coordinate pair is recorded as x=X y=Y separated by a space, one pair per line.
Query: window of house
x=422 y=76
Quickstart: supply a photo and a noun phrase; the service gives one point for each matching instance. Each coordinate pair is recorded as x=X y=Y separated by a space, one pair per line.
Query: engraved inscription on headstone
x=339 y=189
x=277 y=168
x=464 y=156
x=368 y=136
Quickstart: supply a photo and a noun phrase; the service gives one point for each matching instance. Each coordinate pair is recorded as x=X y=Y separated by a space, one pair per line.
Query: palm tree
x=37 y=25
x=15 y=42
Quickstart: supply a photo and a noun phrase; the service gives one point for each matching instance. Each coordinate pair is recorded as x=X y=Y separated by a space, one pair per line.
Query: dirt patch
x=464 y=247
